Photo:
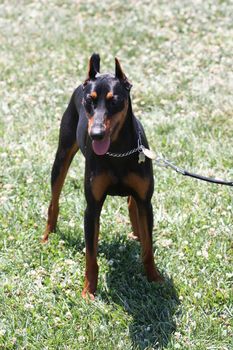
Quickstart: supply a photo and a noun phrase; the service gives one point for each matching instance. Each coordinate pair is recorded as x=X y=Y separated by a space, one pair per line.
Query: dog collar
x=141 y=149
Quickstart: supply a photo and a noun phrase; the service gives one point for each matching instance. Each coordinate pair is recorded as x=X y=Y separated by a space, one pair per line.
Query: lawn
x=178 y=55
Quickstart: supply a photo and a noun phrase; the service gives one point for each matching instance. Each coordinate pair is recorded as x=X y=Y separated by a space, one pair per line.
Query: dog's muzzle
x=97 y=131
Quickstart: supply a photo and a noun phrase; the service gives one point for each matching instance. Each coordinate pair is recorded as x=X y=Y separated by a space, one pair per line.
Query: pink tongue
x=101 y=147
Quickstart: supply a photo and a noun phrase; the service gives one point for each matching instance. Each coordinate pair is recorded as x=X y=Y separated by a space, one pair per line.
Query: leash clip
x=161 y=162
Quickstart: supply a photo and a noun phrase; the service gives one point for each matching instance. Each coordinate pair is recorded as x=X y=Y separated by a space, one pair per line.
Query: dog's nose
x=97 y=132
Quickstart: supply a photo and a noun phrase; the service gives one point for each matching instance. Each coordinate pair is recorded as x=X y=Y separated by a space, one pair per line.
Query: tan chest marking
x=99 y=185
x=138 y=184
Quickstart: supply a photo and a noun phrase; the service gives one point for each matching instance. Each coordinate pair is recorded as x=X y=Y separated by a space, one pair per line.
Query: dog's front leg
x=96 y=187
x=91 y=227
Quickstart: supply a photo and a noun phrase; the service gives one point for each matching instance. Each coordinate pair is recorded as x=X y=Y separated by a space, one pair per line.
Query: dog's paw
x=87 y=295
x=155 y=277
x=44 y=238
x=134 y=237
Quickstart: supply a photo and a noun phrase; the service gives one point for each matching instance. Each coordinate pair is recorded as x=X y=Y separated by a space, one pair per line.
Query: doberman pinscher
x=99 y=120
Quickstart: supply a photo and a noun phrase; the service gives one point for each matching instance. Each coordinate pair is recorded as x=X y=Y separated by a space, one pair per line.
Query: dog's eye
x=89 y=100
x=114 y=100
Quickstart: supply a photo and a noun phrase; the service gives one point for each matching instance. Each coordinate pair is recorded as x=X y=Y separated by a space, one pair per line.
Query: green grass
x=178 y=56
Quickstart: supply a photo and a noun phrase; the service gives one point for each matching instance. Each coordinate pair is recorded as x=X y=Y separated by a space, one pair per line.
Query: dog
x=99 y=121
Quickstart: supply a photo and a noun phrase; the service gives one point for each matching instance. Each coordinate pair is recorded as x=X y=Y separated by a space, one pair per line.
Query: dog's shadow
x=151 y=307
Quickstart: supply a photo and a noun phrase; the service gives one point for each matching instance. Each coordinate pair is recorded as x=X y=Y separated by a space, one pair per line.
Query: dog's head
x=106 y=100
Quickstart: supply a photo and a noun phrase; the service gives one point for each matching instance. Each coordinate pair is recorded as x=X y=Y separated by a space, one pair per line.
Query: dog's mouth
x=100 y=147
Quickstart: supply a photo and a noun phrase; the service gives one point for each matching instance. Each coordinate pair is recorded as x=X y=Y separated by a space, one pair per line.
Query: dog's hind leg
x=146 y=225
x=67 y=148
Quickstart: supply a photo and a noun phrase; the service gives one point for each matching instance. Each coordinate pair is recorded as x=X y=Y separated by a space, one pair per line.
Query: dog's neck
x=128 y=135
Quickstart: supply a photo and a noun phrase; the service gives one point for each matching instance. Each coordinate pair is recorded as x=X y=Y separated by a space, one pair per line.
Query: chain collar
x=138 y=149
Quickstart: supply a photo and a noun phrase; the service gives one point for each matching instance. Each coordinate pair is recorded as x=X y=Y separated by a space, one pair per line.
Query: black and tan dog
x=99 y=120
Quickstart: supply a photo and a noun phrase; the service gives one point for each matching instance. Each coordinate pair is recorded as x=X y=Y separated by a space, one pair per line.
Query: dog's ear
x=93 y=67
x=121 y=75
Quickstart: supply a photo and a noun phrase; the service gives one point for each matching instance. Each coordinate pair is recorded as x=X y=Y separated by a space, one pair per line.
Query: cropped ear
x=93 y=67
x=121 y=75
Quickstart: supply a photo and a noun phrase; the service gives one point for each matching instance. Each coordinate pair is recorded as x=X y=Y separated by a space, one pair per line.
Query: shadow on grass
x=151 y=306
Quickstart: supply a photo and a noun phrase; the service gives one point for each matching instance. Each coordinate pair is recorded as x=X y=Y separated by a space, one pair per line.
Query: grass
x=179 y=57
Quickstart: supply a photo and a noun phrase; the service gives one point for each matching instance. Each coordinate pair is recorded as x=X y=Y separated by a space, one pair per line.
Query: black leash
x=162 y=162
x=165 y=163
